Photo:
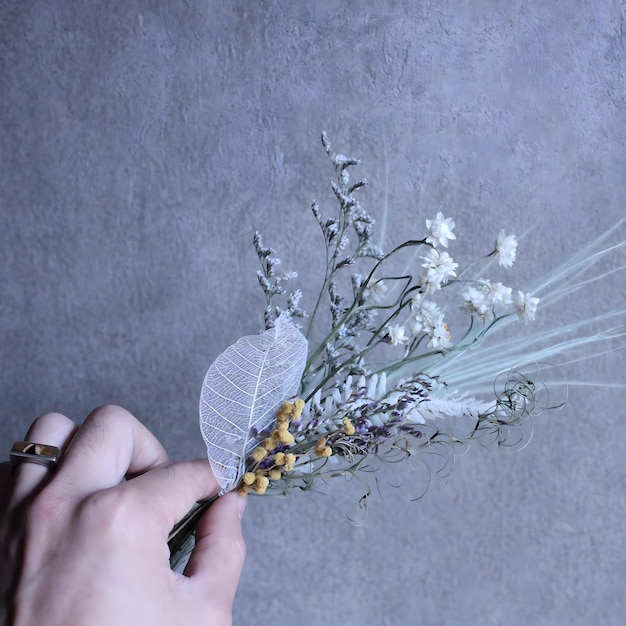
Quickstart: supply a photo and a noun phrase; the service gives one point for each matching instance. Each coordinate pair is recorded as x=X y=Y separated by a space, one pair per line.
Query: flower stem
x=185 y=529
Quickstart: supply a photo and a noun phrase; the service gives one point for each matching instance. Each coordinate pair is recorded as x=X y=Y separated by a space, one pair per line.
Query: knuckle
x=108 y=412
x=111 y=513
x=105 y=419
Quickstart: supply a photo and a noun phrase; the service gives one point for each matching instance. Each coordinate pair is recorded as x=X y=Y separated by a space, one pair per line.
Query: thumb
x=217 y=559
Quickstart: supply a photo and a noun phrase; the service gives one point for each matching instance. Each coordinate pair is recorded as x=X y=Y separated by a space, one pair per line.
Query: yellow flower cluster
x=254 y=480
x=321 y=449
x=348 y=426
x=259 y=480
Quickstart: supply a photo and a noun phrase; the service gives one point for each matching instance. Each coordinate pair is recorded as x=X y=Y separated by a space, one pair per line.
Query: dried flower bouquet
x=387 y=381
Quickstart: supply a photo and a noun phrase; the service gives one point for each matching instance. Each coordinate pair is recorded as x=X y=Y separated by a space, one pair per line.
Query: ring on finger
x=39 y=453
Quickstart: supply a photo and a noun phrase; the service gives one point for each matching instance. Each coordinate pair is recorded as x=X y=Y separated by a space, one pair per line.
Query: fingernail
x=241 y=504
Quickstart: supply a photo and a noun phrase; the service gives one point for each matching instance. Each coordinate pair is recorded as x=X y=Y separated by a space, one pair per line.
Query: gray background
x=143 y=142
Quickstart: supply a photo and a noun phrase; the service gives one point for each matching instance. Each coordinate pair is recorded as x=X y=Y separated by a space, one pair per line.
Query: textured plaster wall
x=141 y=143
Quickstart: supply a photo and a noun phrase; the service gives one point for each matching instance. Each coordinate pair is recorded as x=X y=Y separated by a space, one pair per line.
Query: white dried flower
x=396 y=334
x=476 y=302
x=416 y=326
x=440 y=335
x=440 y=230
x=525 y=306
x=497 y=293
x=425 y=319
x=439 y=267
x=430 y=310
x=506 y=246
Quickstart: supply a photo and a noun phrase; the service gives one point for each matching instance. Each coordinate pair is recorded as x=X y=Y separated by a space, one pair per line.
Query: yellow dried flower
x=326 y=451
x=348 y=426
x=279 y=458
x=275 y=474
x=286 y=437
x=290 y=461
x=244 y=489
x=296 y=412
x=261 y=483
x=248 y=478
x=321 y=447
x=284 y=412
x=270 y=443
x=282 y=426
x=258 y=454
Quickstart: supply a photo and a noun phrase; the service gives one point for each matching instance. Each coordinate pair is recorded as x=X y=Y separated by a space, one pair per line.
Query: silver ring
x=40 y=453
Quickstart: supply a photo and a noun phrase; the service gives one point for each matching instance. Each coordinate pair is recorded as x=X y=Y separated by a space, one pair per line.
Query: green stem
x=332 y=334
x=187 y=527
x=397 y=311
x=321 y=292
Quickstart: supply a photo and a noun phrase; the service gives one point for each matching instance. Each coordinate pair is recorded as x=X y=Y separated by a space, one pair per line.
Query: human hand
x=81 y=545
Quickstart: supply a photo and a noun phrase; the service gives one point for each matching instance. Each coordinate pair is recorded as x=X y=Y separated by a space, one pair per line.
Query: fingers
x=168 y=492
x=110 y=445
x=218 y=558
x=52 y=429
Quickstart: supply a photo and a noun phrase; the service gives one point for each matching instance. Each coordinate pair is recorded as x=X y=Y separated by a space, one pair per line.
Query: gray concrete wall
x=141 y=143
